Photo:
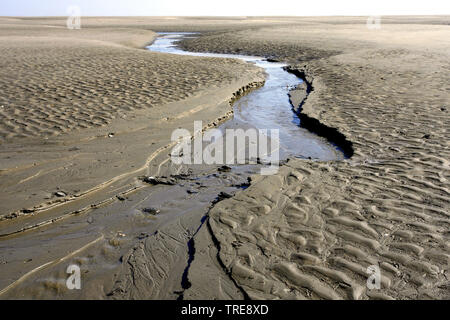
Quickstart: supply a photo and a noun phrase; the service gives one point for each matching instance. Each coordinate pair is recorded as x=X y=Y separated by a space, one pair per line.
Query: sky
x=224 y=7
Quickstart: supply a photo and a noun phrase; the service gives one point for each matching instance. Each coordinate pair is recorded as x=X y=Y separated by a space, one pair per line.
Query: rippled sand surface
x=308 y=232
x=313 y=230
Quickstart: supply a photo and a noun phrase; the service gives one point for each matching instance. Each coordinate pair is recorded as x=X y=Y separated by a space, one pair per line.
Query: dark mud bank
x=314 y=125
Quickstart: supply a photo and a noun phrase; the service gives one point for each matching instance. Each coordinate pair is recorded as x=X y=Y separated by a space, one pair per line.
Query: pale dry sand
x=308 y=232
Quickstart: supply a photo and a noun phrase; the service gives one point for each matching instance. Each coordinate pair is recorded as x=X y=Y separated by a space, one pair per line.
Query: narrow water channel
x=267 y=107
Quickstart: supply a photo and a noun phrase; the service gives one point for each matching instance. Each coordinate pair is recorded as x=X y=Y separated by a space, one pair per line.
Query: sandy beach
x=85 y=114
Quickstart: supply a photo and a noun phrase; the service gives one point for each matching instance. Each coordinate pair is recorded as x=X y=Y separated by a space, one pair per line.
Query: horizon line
x=224 y=16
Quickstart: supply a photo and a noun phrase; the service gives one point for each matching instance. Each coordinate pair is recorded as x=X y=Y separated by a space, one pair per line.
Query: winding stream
x=267 y=107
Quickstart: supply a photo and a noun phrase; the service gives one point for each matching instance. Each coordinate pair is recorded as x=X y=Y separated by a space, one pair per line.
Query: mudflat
x=312 y=230
x=64 y=92
x=85 y=112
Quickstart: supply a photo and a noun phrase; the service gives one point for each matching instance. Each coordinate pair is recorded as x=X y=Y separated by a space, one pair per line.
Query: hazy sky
x=223 y=7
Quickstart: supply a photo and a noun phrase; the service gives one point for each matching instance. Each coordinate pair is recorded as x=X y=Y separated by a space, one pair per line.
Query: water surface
x=267 y=107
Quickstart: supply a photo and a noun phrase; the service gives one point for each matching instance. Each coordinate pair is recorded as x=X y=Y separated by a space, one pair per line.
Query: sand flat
x=325 y=223
x=308 y=232
x=64 y=91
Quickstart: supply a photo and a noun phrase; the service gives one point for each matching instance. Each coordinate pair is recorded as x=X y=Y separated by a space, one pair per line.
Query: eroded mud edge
x=333 y=135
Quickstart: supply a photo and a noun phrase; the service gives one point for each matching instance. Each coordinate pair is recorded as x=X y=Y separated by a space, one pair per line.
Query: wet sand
x=311 y=231
x=55 y=118
x=308 y=232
